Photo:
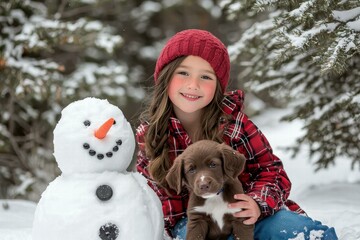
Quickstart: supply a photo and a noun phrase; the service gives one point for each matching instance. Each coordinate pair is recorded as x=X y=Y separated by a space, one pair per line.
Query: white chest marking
x=216 y=208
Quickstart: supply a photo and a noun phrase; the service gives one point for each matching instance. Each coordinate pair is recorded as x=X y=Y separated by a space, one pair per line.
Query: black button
x=104 y=192
x=108 y=231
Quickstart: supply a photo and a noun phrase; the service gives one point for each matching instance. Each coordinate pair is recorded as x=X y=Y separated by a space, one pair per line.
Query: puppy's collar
x=220 y=191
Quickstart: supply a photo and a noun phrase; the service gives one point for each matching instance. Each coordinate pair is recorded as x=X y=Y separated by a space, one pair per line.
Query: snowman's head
x=93 y=136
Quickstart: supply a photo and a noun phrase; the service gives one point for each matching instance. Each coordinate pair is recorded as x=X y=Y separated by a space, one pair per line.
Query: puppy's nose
x=205 y=185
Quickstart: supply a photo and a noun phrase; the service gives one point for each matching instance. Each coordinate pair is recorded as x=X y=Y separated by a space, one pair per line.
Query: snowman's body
x=95 y=198
x=82 y=215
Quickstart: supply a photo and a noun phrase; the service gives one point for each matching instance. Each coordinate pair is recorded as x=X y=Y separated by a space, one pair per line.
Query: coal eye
x=87 y=123
x=114 y=122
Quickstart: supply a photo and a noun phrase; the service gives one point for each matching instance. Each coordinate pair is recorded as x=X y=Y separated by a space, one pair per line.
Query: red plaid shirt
x=264 y=178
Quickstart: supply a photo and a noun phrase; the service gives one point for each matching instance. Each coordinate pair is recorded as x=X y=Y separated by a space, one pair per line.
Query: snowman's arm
x=154 y=205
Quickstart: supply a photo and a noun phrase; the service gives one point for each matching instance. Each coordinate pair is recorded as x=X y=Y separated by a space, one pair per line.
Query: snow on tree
x=306 y=52
x=34 y=86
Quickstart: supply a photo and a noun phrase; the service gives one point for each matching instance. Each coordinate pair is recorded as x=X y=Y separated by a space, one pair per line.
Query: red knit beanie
x=197 y=43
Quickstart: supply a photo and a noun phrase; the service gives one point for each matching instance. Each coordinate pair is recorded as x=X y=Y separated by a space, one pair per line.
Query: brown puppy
x=210 y=172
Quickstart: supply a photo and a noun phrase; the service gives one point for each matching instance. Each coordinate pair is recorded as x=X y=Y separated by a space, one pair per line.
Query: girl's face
x=192 y=86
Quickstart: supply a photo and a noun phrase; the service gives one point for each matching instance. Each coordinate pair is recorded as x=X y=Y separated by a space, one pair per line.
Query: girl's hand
x=250 y=209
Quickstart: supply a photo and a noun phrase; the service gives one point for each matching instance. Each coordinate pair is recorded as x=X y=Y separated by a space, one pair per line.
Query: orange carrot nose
x=101 y=132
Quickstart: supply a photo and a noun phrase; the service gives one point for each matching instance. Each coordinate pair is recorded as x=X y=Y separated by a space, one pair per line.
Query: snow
x=302 y=9
x=108 y=42
x=300 y=41
x=16 y=222
x=330 y=196
x=345 y=16
x=354 y=25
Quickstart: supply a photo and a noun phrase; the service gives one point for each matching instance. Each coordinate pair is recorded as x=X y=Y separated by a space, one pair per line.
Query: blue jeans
x=282 y=225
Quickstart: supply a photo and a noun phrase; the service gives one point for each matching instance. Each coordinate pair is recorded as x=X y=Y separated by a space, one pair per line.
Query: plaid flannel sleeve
x=264 y=177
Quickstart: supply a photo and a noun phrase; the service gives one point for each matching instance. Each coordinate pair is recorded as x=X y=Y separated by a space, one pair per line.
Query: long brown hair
x=157 y=115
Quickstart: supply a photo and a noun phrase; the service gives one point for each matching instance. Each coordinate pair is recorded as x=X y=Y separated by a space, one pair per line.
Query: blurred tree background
x=53 y=52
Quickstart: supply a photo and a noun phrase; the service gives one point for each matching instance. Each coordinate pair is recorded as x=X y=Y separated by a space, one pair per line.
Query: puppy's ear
x=233 y=161
x=174 y=176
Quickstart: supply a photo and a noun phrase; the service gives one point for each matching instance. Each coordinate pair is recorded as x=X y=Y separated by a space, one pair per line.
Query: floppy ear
x=174 y=176
x=233 y=161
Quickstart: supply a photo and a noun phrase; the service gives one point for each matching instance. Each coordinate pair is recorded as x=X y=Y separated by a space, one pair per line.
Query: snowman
x=95 y=198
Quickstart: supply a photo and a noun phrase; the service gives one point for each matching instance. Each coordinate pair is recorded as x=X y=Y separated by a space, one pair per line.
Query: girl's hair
x=158 y=114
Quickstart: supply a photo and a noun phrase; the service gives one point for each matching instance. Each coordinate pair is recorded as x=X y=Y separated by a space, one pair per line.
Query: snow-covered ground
x=16 y=222
x=331 y=196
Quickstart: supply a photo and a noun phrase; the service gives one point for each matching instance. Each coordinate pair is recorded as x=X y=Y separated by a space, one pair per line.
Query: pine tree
x=307 y=52
x=34 y=86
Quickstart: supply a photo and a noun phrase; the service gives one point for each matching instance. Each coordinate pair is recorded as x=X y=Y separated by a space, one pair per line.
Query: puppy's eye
x=191 y=170
x=212 y=165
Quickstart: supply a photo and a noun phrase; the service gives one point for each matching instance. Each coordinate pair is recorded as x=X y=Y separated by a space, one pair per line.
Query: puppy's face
x=203 y=172
x=204 y=167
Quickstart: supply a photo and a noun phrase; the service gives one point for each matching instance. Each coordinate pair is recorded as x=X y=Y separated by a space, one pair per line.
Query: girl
x=190 y=103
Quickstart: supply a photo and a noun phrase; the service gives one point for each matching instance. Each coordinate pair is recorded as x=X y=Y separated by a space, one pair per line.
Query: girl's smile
x=190 y=97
